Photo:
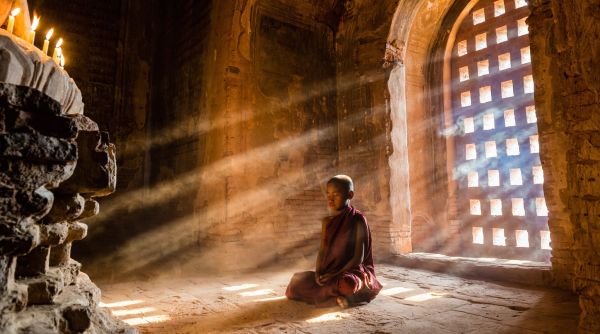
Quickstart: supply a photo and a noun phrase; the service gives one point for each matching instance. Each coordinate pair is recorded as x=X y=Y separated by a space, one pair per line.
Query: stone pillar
x=566 y=64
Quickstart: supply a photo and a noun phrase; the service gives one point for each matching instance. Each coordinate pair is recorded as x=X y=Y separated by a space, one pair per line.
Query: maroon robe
x=358 y=284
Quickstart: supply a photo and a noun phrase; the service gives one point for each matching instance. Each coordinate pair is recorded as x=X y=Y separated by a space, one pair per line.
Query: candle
x=62 y=61
x=34 y=24
x=11 y=19
x=57 y=51
x=47 y=40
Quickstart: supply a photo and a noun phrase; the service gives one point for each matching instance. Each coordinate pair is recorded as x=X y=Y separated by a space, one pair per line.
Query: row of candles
x=57 y=55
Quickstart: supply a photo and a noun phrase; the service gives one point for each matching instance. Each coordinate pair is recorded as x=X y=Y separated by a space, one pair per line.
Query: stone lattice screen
x=498 y=170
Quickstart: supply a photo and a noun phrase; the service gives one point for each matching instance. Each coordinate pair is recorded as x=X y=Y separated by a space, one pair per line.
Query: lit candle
x=34 y=24
x=11 y=19
x=62 y=61
x=47 y=40
x=57 y=51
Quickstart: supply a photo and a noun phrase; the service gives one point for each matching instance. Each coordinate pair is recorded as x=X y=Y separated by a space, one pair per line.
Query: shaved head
x=343 y=182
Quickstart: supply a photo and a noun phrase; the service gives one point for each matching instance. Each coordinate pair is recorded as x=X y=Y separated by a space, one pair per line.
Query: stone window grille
x=500 y=197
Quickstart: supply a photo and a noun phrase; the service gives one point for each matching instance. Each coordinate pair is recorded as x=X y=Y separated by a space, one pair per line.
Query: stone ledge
x=513 y=271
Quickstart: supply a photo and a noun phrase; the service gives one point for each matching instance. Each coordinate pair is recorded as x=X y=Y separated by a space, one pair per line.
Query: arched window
x=497 y=167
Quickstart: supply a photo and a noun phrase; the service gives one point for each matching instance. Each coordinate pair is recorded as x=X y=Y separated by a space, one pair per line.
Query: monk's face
x=337 y=197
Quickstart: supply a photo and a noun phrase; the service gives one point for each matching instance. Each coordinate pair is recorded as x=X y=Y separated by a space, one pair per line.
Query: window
x=485 y=94
x=465 y=99
x=531 y=115
x=478 y=16
x=504 y=61
x=520 y=3
x=509 y=118
x=501 y=34
x=507 y=89
x=522 y=27
x=512 y=147
x=522 y=237
x=499 y=8
x=483 y=67
x=469 y=125
x=516 y=178
x=475 y=207
x=471 y=152
x=538 y=175
x=473 y=180
x=493 y=178
x=490 y=149
x=528 y=84
x=500 y=195
x=481 y=41
x=489 y=122
x=526 y=55
x=464 y=73
x=462 y=48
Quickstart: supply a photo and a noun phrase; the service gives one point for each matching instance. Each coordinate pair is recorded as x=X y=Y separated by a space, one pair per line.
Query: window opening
x=504 y=212
x=499 y=8
x=504 y=61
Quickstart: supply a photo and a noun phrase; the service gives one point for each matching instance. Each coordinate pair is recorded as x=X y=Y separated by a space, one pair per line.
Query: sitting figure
x=344 y=272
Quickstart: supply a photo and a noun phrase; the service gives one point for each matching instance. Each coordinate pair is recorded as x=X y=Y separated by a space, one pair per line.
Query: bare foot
x=342 y=302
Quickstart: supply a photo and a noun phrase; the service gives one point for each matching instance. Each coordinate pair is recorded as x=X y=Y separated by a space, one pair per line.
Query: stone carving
x=53 y=162
x=393 y=55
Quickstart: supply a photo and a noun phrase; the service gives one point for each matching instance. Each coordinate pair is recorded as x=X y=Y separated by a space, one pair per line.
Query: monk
x=344 y=273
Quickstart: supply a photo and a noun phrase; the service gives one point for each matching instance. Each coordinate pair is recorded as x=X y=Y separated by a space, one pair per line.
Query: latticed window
x=498 y=171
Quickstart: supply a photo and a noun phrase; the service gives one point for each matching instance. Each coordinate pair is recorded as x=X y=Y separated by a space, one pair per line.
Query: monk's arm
x=359 y=251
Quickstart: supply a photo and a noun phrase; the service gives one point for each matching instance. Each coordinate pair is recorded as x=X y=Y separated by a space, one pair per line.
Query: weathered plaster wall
x=566 y=61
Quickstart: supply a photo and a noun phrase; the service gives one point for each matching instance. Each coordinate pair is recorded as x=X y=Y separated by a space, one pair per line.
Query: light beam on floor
x=240 y=287
x=394 y=291
x=328 y=317
x=121 y=303
x=140 y=310
x=256 y=293
x=425 y=296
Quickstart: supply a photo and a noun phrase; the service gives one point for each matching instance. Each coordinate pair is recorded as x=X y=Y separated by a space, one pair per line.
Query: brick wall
x=365 y=140
x=566 y=68
x=270 y=95
x=91 y=34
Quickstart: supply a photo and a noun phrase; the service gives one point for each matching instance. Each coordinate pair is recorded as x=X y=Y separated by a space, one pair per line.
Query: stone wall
x=53 y=166
x=91 y=40
x=566 y=64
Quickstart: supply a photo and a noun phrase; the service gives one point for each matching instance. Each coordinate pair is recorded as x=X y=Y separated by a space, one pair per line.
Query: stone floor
x=412 y=301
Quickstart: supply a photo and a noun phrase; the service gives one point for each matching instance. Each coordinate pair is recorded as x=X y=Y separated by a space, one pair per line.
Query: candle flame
x=59 y=43
x=36 y=21
x=15 y=11
x=49 y=33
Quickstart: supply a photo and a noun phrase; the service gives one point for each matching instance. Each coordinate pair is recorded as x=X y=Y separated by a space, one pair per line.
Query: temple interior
x=163 y=168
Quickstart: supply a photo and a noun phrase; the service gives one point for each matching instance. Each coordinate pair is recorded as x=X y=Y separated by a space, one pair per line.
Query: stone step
x=504 y=270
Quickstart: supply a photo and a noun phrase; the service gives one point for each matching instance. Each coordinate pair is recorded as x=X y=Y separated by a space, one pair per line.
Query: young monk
x=344 y=272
